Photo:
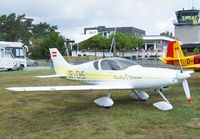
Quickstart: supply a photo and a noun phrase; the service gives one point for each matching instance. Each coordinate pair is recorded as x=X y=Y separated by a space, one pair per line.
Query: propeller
x=183 y=77
x=186 y=90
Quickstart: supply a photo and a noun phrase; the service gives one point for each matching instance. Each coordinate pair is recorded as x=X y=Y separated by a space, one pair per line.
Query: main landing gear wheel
x=139 y=95
x=105 y=102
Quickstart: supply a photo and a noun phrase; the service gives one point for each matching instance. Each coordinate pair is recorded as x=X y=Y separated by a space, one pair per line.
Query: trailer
x=12 y=55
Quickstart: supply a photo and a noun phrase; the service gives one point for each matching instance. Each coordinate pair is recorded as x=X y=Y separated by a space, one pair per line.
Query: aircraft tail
x=59 y=63
x=172 y=49
x=174 y=52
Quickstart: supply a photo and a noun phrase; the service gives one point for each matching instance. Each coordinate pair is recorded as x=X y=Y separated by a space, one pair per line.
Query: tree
x=43 y=36
x=53 y=40
x=95 y=43
x=185 y=52
x=196 y=51
x=42 y=29
x=15 y=28
x=127 y=42
x=124 y=42
x=167 y=33
x=34 y=51
x=19 y=28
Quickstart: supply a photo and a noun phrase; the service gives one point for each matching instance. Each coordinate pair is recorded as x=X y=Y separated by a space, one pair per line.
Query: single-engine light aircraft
x=175 y=53
x=113 y=74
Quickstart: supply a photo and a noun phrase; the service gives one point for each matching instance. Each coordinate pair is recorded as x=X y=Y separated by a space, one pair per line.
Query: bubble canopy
x=113 y=64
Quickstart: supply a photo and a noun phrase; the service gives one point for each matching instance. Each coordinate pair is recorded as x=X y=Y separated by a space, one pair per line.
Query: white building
x=156 y=42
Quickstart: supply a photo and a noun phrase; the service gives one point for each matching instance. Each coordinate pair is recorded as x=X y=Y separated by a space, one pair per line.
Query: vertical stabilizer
x=174 y=49
x=177 y=47
x=59 y=63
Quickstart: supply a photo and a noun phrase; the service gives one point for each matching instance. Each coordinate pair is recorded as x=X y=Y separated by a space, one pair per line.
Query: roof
x=157 y=37
x=11 y=44
x=191 y=45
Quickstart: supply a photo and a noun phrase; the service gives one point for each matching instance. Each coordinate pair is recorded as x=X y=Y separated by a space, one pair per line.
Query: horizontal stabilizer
x=50 y=76
x=164 y=59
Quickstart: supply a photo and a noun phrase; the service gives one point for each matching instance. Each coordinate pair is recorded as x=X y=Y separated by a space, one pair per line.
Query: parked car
x=31 y=63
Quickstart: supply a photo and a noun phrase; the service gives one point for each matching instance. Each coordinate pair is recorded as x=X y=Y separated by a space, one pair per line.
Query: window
x=105 y=65
x=8 y=52
x=96 y=65
x=116 y=64
x=18 y=52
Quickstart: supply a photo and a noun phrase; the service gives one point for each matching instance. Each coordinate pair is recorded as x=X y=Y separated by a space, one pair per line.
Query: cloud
x=71 y=16
x=166 y=25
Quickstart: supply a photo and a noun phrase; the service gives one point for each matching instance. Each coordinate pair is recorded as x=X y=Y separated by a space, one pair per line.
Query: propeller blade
x=186 y=90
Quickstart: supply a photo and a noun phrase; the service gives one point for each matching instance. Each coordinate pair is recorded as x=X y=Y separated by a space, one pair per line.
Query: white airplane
x=114 y=74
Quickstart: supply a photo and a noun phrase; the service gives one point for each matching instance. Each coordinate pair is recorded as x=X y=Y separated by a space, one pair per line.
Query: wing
x=71 y=88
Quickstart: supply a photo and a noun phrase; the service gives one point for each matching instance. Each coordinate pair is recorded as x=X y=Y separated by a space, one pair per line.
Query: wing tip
x=15 y=89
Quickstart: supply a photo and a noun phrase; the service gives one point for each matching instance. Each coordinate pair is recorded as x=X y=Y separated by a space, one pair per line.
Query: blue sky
x=153 y=16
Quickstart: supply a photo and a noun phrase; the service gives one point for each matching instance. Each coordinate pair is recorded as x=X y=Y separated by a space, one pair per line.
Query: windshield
x=116 y=64
x=16 y=52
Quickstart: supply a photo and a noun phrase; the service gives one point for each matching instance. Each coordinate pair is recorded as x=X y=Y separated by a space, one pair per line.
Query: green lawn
x=74 y=115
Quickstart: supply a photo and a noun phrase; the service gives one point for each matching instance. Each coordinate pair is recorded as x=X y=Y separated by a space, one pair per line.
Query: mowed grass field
x=73 y=115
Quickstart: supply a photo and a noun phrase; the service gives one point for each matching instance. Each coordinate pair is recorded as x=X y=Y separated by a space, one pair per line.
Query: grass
x=74 y=115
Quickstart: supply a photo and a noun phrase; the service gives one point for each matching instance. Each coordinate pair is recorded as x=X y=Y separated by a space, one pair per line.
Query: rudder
x=59 y=63
x=174 y=49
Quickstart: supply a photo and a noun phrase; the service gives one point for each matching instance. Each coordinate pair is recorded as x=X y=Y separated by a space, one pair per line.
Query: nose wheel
x=163 y=105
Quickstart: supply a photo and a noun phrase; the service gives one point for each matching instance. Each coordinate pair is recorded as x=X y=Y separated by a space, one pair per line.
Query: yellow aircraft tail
x=174 y=49
x=174 y=52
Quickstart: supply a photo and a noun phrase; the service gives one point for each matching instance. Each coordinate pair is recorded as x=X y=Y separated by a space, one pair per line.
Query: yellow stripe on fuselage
x=82 y=75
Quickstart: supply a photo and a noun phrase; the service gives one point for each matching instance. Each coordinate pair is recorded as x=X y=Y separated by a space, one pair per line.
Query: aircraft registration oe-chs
x=115 y=74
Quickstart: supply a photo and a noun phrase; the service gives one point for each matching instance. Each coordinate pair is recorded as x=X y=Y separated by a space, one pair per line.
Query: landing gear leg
x=109 y=93
x=106 y=101
x=163 y=105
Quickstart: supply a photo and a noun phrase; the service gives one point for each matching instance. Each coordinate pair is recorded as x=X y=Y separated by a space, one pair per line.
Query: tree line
x=123 y=42
x=40 y=37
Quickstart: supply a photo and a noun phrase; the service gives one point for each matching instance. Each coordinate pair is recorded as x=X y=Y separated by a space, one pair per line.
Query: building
x=108 y=31
x=156 y=42
x=187 y=28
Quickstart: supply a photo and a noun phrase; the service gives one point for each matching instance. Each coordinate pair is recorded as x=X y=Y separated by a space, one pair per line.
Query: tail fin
x=172 y=50
x=59 y=63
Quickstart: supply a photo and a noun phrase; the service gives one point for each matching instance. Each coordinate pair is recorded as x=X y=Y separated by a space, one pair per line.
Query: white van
x=12 y=55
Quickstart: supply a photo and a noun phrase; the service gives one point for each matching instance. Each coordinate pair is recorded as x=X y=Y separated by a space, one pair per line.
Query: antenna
x=192 y=4
x=113 y=44
x=67 y=43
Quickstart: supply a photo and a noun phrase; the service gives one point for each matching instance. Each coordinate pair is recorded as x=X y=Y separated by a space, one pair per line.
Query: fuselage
x=186 y=61
x=136 y=76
